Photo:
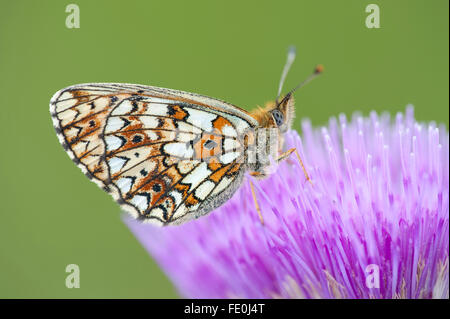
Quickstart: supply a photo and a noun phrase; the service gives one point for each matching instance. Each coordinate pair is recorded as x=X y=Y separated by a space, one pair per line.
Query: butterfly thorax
x=274 y=120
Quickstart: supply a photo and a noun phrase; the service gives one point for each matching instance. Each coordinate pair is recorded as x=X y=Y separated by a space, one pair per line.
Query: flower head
x=374 y=222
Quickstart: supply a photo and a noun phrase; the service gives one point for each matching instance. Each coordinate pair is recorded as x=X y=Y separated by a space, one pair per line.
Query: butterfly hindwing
x=166 y=156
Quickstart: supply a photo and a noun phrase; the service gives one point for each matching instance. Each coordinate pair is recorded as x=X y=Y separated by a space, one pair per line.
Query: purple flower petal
x=378 y=204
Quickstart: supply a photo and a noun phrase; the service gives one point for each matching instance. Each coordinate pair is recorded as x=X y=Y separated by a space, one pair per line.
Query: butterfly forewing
x=167 y=156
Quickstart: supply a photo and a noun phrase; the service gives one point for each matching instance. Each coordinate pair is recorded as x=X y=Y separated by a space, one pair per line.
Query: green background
x=52 y=215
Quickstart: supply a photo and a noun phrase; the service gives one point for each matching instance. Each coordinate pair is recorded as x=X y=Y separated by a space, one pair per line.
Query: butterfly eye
x=278 y=117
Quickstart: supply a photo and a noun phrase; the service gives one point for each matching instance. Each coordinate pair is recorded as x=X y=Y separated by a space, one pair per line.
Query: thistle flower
x=374 y=222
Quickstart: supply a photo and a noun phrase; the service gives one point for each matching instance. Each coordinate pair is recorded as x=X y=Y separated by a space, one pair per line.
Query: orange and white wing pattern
x=166 y=156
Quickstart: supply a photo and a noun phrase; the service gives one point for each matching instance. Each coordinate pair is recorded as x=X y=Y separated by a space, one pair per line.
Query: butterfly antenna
x=318 y=70
x=292 y=52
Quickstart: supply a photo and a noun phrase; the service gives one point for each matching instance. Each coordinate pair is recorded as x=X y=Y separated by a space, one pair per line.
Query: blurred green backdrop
x=52 y=215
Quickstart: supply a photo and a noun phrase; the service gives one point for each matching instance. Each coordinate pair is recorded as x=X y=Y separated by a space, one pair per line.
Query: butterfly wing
x=166 y=156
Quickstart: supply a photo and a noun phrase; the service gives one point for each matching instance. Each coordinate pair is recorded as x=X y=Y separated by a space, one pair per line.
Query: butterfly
x=168 y=156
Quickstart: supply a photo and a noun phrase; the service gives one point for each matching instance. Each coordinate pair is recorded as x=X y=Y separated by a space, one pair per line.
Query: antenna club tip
x=319 y=69
x=292 y=49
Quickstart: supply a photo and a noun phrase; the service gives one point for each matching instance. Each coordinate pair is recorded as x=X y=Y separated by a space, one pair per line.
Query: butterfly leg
x=256 y=203
x=257 y=174
x=286 y=154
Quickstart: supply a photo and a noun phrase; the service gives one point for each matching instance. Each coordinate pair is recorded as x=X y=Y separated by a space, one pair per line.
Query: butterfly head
x=282 y=115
